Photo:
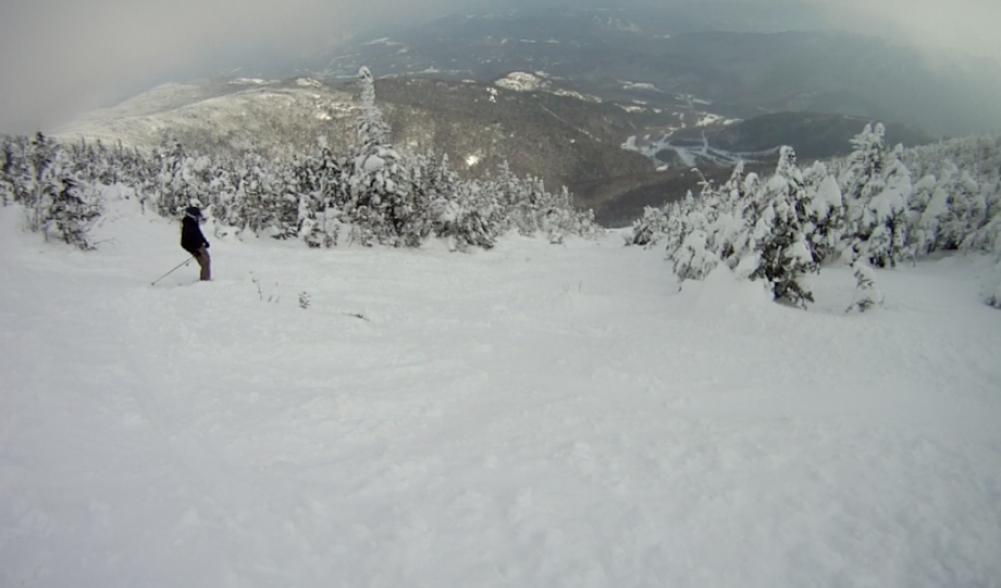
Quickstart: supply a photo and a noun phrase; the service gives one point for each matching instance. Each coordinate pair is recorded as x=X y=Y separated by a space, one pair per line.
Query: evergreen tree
x=60 y=203
x=730 y=227
x=73 y=211
x=884 y=218
x=381 y=203
x=43 y=181
x=827 y=214
x=184 y=180
x=649 y=229
x=922 y=220
x=867 y=296
x=6 y=170
x=694 y=254
x=877 y=186
x=465 y=218
x=781 y=234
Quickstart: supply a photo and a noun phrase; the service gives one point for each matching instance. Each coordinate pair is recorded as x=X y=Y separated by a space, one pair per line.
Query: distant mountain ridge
x=617 y=105
x=551 y=134
x=674 y=60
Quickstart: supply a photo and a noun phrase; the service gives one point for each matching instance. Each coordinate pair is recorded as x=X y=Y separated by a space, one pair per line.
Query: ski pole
x=186 y=262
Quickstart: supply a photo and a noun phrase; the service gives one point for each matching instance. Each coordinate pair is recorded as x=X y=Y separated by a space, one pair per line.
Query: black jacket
x=192 y=238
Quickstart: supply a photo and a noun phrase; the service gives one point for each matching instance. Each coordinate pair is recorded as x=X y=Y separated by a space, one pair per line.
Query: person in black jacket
x=194 y=242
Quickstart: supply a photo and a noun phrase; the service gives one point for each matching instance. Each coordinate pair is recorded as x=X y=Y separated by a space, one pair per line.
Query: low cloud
x=966 y=27
x=60 y=58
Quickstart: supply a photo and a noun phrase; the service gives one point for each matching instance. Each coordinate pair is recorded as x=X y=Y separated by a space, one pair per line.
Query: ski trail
x=530 y=416
x=229 y=510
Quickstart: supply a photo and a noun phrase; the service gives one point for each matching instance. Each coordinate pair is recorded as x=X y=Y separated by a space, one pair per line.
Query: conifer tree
x=867 y=295
x=884 y=218
x=695 y=254
x=381 y=202
x=43 y=179
x=60 y=203
x=827 y=214
x=650 y=228
x=6 y=170
x=876 y=185
x=784 y=252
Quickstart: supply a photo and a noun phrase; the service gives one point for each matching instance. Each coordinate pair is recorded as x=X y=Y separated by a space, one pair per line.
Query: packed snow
x=532 y=415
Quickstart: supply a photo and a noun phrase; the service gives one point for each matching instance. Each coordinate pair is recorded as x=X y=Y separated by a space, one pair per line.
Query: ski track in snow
x=533 y=415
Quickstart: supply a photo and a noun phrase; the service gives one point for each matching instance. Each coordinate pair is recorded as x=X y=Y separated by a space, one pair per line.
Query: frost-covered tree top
x=862 y=177
x=787 y=167
x=373 y=131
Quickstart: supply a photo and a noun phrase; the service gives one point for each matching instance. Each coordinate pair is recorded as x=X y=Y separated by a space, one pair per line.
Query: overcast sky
x=59 y=58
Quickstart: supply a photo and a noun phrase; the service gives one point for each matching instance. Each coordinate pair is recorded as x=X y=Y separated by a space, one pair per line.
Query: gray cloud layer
x=967 y=26
x=59 y=58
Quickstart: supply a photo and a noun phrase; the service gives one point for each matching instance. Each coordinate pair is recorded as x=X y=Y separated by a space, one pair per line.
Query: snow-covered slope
x=529 y=416
x=228 y=116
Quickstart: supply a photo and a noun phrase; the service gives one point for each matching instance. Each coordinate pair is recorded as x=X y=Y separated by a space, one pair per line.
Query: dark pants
x=204 y=262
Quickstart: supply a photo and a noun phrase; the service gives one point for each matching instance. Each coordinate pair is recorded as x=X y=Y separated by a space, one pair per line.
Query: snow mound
x=724 y=293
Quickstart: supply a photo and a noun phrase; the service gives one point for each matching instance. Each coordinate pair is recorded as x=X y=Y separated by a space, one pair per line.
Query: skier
x=194 y=242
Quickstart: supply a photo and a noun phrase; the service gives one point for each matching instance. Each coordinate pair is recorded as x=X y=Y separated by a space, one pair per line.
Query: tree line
x=373 y=194
x=879 y=206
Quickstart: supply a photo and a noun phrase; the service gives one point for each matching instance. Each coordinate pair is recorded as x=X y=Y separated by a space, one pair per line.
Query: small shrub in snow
x=649 y=228
x=466 y=219
x=71 y=213
x=260 y=291
x=992 y=289
x=694 y=260
x=994 y=297
x=867 y=295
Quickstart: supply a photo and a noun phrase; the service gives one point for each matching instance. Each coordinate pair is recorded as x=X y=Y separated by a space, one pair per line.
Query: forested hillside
x=375 y=193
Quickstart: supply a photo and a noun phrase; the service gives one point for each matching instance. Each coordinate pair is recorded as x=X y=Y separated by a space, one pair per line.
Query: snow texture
x=525 y=416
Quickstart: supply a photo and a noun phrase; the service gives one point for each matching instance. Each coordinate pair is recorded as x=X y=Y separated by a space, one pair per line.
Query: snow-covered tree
x=925 y=210
x=867 y=295
x=73 y=211
x=729 y=229
x=881 y=230
x=58 y=203
x=877 y=186
x=466 y=218
x=827 y=213
x=693 y=250
x=958 y=196
x=781 y=235
x=381 y=202
x=694 y=259
x=7 y=170
x=650 y=228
